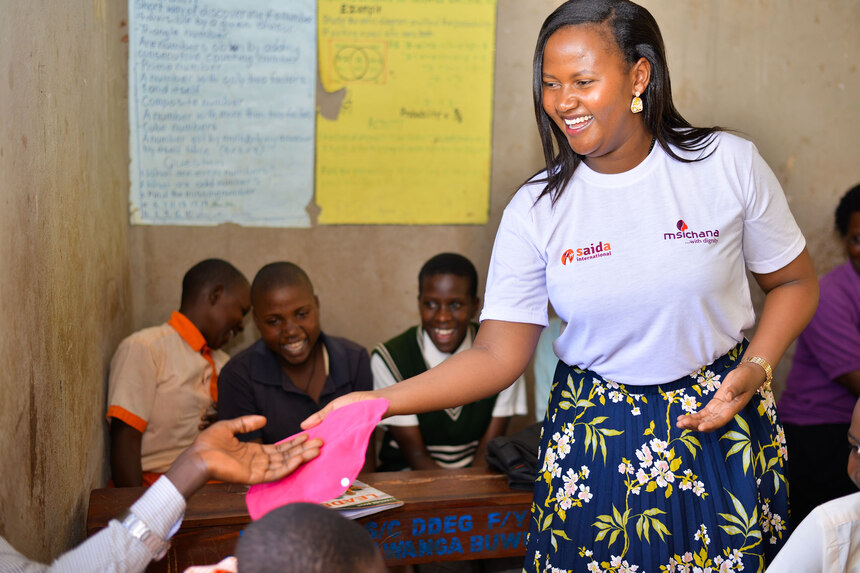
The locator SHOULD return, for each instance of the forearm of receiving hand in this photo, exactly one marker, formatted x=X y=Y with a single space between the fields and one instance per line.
x=114 y=548
x=789 y=304
x=500 y=354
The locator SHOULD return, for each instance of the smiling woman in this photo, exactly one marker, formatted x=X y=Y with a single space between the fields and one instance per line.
x=658 y=401
x=586 y=91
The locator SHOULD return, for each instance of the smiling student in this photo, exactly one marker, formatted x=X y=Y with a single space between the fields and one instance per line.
x=455 y=437
x=294 y=369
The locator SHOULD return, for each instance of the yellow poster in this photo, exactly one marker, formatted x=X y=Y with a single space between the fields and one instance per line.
x=405 y=119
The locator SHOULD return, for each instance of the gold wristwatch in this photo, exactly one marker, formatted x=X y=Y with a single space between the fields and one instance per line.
x=768 y=371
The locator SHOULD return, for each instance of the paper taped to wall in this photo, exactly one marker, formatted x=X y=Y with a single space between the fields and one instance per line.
x=411 y=140
x=221 y=111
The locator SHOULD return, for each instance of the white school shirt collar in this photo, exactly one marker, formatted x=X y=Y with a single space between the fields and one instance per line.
x=433 y=356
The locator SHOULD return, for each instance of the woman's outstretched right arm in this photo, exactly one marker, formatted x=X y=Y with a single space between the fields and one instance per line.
x=500 y=354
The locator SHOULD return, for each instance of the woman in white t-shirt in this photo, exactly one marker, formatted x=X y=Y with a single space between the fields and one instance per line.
x=661 y=449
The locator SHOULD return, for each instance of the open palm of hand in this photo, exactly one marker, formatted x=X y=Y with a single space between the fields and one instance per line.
x=249 y=462
x=217 y=454
x=730 y=398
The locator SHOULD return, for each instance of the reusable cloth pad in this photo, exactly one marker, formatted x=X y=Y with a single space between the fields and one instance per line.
x=345 y=433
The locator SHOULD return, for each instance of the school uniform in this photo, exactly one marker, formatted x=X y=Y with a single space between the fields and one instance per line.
x=162 y=381
x=253 y=382
x=827 y=541
x=451 y=436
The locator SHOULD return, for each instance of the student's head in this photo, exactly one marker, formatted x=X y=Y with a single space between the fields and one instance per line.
x=447 y=299
x=286 y=311
x=848 y=224
x=306 y=538
x=854 y=440
x=216 y=298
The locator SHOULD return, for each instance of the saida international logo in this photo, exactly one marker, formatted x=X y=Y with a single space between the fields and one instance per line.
x=584 y=253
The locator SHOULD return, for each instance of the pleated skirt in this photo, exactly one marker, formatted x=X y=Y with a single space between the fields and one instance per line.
x=623 y=490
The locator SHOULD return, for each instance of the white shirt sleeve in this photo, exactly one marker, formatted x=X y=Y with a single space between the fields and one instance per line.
x=826 y=541
x=516 y=288
x=382 y=378
x=804 y=550
x=112 y=550
x=512 y=400
x=771 y=237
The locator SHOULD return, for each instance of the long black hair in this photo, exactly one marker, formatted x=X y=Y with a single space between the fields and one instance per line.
x=638 y=36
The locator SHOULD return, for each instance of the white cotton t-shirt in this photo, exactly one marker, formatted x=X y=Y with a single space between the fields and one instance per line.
x=646 y=267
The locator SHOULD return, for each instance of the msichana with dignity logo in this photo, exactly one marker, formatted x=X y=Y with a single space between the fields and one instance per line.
x=594 y=250
x=708 y=237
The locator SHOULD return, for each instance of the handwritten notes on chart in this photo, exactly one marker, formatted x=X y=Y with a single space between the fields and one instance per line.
x=411 y=140
x=221 y=111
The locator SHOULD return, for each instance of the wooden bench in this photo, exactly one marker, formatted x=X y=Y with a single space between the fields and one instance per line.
x=449 y=515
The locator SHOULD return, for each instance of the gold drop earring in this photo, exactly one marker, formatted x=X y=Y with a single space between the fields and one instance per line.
x=636 y=104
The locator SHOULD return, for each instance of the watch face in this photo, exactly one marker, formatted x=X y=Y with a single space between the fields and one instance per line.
x=138 y=529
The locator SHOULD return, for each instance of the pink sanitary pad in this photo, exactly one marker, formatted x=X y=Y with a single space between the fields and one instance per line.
x=345 y=433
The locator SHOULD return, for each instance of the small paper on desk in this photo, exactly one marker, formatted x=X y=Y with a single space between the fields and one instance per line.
x=361 y=499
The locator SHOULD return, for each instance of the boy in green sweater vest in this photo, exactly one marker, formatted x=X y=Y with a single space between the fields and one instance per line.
x=456 y=437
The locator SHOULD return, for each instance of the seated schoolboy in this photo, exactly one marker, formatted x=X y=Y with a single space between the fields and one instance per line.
x=294 y=369
x=163 y=379
x=456 y=437
x=306 y=538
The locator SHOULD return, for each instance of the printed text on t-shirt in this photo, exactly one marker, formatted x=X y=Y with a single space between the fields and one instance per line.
x=709 y=237
x=594 y=250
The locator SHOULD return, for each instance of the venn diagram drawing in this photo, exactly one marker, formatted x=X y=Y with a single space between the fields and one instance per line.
x=364 y=63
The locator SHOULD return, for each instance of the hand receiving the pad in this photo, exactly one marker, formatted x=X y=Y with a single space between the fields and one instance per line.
x=217 y=454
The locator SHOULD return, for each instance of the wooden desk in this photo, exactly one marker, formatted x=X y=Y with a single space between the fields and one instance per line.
x=447 y=516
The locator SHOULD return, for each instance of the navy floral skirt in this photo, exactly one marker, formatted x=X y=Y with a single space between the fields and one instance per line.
x=623 y=490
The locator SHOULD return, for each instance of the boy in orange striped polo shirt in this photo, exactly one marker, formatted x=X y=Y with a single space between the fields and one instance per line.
x=163 y=379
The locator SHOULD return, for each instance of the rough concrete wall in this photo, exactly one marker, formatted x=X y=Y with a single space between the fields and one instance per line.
x=783 y=72
x=64 y=281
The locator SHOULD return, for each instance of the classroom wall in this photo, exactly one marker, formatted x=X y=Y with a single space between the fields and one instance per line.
x=64 y=269
x=781 y=71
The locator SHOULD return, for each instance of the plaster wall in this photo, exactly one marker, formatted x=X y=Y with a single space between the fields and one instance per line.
x=782 y=72
x=64 y=281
